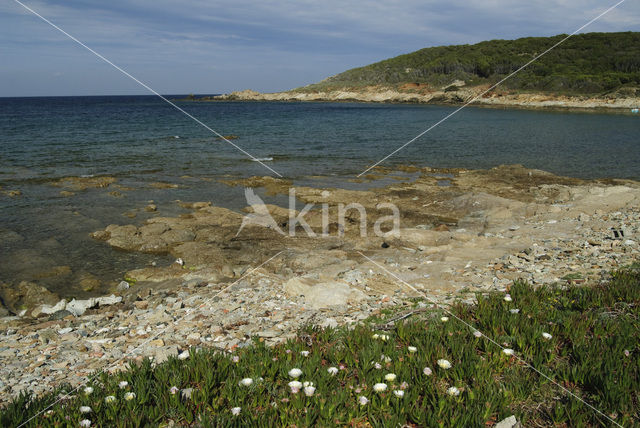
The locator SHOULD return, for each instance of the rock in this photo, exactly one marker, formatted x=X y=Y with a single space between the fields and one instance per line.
x=60 y=315
x=162 y=354
x=510 y=422
x=141 y=304
x=48 y=309
x=79 y=307
x=26 y=296
x=108 y=300
x=227 y=271
x=88 y=282
x=124 y=285
x=151 y=208
x=322 y=294
x=55 y=272
x=156 y=342
x=83 y=183
x=47 y=335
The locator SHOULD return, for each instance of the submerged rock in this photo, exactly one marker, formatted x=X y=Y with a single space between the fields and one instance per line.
x=26 y=296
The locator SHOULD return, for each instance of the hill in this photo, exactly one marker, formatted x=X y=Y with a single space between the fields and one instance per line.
x=591 y=63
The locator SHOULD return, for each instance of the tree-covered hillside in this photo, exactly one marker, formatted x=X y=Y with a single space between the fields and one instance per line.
x=584 y=64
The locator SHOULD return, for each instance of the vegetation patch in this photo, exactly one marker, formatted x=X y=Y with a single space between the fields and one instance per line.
x=591 y=63
x=428 y=369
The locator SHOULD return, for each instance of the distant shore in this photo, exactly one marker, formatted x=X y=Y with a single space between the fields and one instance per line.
x=461 y=96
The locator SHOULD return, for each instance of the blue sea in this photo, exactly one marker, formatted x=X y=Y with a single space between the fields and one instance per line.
x=141 y=139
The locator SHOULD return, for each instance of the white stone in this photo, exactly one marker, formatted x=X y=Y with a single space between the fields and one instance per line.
x=79 y=307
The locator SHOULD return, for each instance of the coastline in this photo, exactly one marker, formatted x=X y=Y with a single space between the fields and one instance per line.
x=462 y=232
x=497 y=99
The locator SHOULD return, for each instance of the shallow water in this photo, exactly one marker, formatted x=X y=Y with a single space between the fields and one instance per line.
x=134 y=140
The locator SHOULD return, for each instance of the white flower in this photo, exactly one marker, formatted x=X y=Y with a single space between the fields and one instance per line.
x=295 y=373
x=88 y=390
x=390 y=377
x=412 y=349
x=235 y=359
x=546 y=336
x=507 y=298
x=477 y=333
x=85 y=423
x=444 y=319
x=109 y=399
x=123 y=384
x=363 y=400
x=380 y=387
x=427 y=371
x=309 y=390
x=305 y=384
x=453 y=391
x=399 y=393
x=376 y=336
x=183 y=355
x=295 y=386
x=247 y=381
x=332 y=371
x=174 y=390
x=384 y=337
x=85 y=409
x=507 y=351
x=129 y=396
x=377 y=366
x=304 y=353
x=385 y=358
x=514 y=311
x=235 y=411
x=444 y=364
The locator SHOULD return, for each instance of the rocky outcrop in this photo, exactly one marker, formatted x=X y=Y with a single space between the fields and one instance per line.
x=412 y=94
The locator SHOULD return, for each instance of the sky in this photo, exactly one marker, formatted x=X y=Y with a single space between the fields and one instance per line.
x=212 y=46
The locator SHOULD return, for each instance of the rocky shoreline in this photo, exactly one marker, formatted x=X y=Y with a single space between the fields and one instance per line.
x=462 y=95
x=461 y=232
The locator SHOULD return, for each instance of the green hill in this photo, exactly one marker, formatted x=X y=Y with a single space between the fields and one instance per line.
x=591 y=63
